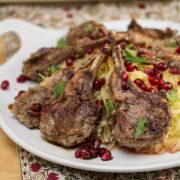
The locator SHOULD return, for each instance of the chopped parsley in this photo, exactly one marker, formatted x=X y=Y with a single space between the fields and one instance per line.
x=171 y=44
x=53 y=68
x=61 y=42
x=59 y=88
x=110 y=105
x=140 y=129
x=173 y=95
x=131 y=56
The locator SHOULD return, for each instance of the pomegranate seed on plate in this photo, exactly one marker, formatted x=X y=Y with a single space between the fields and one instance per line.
x=78 y=153
x=90 y=50
x=93 y=152
x=36 y=107
x=174 y=70
x=138 y=82
x=178 y=82
x=178 y=50
x=85 y=154
x=153 y=80
x=159 y=75
x=101 y=151
x=151 y=89
x=130 y=67
x=149 y=71
x=161 y=66
x=102 y=81
x=5 y=85
x=97 y=85
x=166 y=86
x=97 y=143
x=141 y=53
x=21 y=79
x=141 y=5
x=70 y=61
x=106 y=156
x=143 y=87
x=124 y=76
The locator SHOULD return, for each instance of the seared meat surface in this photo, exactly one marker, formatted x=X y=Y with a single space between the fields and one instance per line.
x=38 y=96
x=40 y=61
x=71 y=118
x=133 y=105
x=89 y=29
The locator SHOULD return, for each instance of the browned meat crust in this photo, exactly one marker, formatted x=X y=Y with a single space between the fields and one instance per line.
x=42 y=95
x=132 y=104
x=71 y=119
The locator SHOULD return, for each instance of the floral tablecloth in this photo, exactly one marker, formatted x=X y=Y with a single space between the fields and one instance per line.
x=35 y=168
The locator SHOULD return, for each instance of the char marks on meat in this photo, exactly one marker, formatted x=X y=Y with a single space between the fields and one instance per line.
x=42 y=95
x=132 y=106
x=71 y=118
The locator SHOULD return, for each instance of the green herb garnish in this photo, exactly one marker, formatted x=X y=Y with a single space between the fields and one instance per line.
x=89 y=27
x=53 y=68
x=140 y=129
x=110 y=105
x=61 y=42
x=131 y=56
x=173 y=95
x=171 y=44
x=59 y=88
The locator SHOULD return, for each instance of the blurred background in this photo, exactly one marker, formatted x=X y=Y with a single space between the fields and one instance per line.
x=59 y=13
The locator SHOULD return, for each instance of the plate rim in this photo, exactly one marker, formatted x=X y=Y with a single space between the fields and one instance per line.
x=84 y=165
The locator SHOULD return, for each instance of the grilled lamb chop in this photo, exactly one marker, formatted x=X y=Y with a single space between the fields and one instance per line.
x=40 y=61
x=133 y=107
x=28 y=106
x=153 y=33
x=71 y=118
x=89 y=29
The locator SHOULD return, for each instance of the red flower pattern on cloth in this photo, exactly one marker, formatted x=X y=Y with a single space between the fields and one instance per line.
x=35 y=167
x=53 y=176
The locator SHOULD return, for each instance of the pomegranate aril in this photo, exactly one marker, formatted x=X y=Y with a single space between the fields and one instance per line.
x=138 y=82
x=106 y=156
x=20 y=93
x=101 y=151
x=159 y=75
x=153 y=80
x=179 y=83
x=143 y=87
x=149 y=71
x=178 y=50
x=161 y=66
x=70 y=61
x=174 y=70
x=124 y=76
x=102 y=81
x=124 y=85
x=93 y=152
x=5 y=85
x=151 y=89
x=130 y=67
x=141 y=5
x=97 y=143
x=78 y=153
x=36 y=107
x=97 y=85
x=21 y=78
x=85 y=154
x=167 y=86
x=90 y=50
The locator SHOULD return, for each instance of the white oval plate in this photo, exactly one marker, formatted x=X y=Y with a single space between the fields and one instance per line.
x=33 y=38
